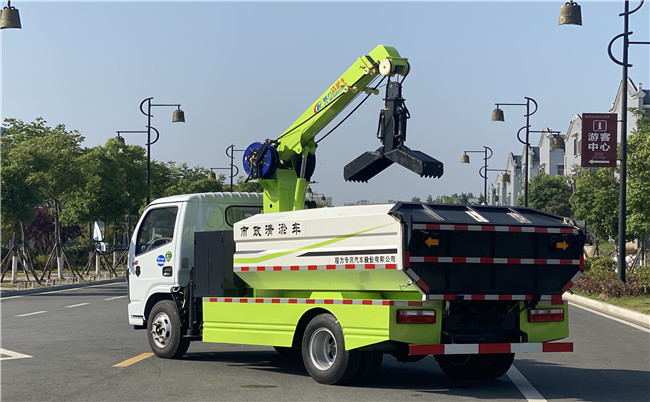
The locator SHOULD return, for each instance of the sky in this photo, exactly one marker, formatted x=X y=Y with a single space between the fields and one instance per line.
x=245 y=71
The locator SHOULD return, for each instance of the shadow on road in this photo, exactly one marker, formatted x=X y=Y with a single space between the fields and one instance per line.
x=551 y=380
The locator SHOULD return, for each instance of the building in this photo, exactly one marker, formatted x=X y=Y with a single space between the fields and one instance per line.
x=560 y=154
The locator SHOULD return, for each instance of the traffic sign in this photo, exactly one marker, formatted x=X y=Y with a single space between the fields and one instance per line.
x=599 y=137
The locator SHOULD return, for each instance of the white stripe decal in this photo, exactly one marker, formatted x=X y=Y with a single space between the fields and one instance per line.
x=460 y=349
x=327 y=267
x=491 y=228
x=490 y=260
x=352 y=302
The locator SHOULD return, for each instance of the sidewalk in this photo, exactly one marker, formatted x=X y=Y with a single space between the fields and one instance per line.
x=608 y=309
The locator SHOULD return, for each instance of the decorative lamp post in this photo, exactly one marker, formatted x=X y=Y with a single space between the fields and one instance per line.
x=623 y=119
x=497 y=115
x=177 y=117
x=570 y=14
x=487 y=154
x=234 y=170
x=622 y=204
x=10 y=17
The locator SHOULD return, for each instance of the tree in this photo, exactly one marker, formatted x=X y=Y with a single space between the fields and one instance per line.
x=549 y=193
x=247 y=186
x=595 y=200
x=462 y=198
x=638 y=184
x=49 y=159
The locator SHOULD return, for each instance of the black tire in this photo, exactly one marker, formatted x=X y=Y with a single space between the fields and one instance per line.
x=164 y=331
x=324 y=354
x=287 y=351
x=475 y=367
x=369 y=364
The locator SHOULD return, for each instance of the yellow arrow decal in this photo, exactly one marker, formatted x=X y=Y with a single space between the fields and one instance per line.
x=563 y=245
x=431 y=242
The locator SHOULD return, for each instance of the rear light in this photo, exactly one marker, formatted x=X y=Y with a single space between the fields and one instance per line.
x=546 y=315
x=416 y=316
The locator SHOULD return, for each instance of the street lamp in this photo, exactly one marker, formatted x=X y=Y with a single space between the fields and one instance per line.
x=149 y=143
x=234 y=170
x=10 y=17
x=570 y=14
x=313 y=197
x=497 y=115
x=465 y=159
x=230 y=152
x=623 y=166
x=213 y=176
x=177 y=117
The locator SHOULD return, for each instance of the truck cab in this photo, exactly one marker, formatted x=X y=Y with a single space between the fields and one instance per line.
x=161 y=252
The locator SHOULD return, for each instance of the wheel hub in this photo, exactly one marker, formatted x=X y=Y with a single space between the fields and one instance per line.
x=161 y=330
x=322 y=349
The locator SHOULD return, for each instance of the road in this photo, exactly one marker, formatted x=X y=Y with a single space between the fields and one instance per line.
x=65 y=345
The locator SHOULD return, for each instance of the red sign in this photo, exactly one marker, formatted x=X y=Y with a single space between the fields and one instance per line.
x=599 y=137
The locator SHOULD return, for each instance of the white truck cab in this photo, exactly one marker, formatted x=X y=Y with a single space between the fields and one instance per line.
x=161 y=255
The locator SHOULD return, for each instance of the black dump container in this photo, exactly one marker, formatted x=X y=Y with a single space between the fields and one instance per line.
x=462 y=249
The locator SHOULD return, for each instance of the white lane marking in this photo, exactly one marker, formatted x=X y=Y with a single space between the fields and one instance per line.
x=116 y=297
x=526 y=388
x=12 y=355
x=34 y=313
x=8 y=298
x=76 y=305
x=631 y=324
x=83 y=287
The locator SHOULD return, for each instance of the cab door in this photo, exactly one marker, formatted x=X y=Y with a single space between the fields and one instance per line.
x=152 y=255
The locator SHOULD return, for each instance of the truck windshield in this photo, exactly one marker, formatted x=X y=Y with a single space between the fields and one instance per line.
x=156 y=230
x=235 y=213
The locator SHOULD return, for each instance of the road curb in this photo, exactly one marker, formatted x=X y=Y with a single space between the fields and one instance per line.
x=615 y=311
x=18 y=292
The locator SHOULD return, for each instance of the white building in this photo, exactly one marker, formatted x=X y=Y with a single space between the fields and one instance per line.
x=559 y=154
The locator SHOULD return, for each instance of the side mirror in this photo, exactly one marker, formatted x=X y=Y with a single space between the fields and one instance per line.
x=98 y=231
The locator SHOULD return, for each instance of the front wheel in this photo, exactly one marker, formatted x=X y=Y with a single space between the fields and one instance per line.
x=164 y=331
x=475 y=367
x=324 y=354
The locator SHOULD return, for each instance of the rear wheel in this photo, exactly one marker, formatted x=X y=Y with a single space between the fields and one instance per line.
x=475 y=367
x=164 y=331
x=324 y=354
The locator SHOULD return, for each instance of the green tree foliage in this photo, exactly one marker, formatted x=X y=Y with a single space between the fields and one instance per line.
x=247 y=187
x=462 y=198
x=18 y=197
x=549 y=193
x=44 y=160
x=169 y=179
x=638 y=179
x=595 y=200
x=114 y=184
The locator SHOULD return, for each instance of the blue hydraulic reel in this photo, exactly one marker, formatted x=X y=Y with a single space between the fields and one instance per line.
x=260 y=160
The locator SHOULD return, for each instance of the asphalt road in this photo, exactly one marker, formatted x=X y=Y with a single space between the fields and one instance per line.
x=65 y=345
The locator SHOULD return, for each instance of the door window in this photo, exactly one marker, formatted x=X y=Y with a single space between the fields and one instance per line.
x=156 y=230
x=235 y=213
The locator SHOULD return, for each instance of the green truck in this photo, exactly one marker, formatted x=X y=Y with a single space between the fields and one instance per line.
x=343 y=286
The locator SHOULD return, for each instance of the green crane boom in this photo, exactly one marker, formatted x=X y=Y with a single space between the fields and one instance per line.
x=284 y=166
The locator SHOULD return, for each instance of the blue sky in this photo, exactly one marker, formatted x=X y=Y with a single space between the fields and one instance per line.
x=244 y=71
